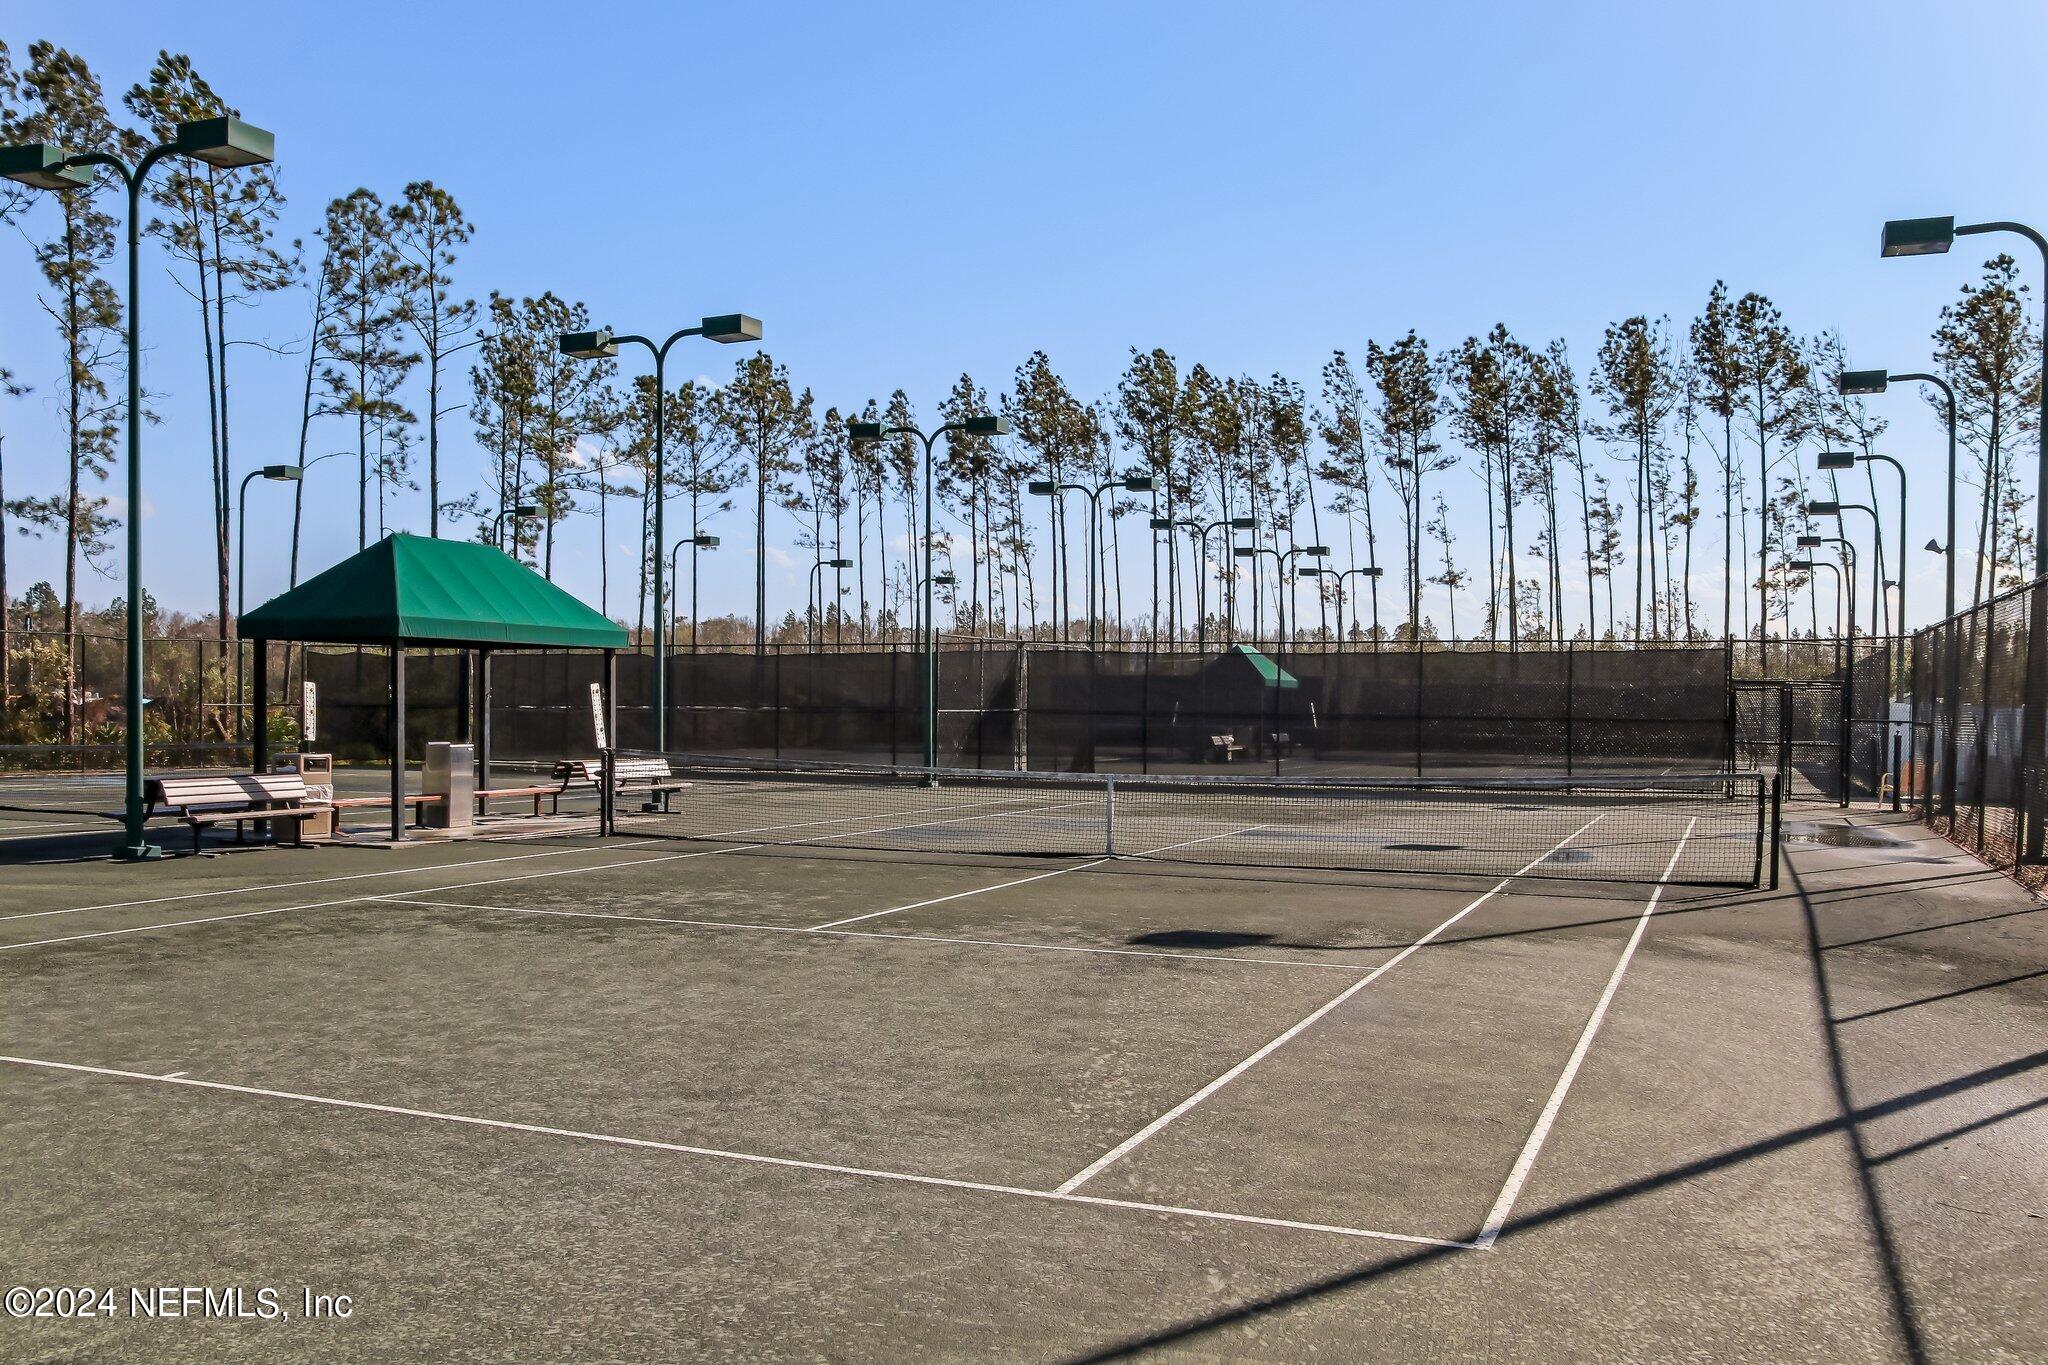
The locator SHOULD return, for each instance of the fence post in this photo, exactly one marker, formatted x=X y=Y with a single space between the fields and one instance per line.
x=2033 y=727
x=1777 y=826
x=1571 y=687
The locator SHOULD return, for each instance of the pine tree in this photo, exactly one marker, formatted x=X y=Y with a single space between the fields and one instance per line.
x=1058 y=432
x=760 y=414
x=1721 y=384
x=1404 y=432
x=1773 y=377
x=427 y=229
x=1985 y=347
x=1340 y=422
x=366 y=364
x=63 y=103
x=1633 y=377
x=1152 y=417
x=220 y=223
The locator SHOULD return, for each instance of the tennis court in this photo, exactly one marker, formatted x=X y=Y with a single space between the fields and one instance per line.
x=810 y=1062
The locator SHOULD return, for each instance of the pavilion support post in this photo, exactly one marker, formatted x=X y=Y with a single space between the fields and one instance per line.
x=483 y=720
x=462 y=694
x=259 y=707
x=397 y=742
x=611 y=698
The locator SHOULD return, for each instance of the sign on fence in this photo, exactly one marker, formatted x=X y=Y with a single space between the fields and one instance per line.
x=309 y=719
x=604 y=740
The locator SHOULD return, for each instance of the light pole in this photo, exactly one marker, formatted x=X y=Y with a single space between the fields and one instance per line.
x=726 y=328
x=1370 y=571
x=1280 y=558
x=1848 y=698
x=816 y=606
x=1933 y=236
x=1202 y=531
x=1130 y=483
x=1846 y=459
x=984 y=425
x=520 y=511
x=228 y=144
x=1819 y=508
x=699 y=541
x=276 y=473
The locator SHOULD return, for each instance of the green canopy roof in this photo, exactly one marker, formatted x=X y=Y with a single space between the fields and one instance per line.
x=1270 y=673
x=412 y=590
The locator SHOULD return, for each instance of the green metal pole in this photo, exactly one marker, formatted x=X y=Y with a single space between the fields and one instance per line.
x=137 y=847
x=660 y=492
x=931 y=631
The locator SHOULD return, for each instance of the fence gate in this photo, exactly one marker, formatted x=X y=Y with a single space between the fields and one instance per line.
x=1796 y=730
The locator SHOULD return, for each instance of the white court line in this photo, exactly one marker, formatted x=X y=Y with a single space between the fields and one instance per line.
x=1497 y=1217
x=452 y=886
x=802 y=824
x=957 y=895
x=407 y=898
x=16 y=833
x=1206 y=838
x=318 y=881
x=352 y=900
x=1152 y=1129
x=752 y=1158
x=961 y=895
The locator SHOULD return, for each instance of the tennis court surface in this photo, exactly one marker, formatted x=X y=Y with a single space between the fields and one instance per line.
x=842 y=1067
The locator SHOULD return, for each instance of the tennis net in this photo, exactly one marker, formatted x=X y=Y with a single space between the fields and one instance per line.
x=1712 y=829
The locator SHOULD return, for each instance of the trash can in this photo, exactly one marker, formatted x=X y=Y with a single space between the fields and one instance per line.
x=450 y=774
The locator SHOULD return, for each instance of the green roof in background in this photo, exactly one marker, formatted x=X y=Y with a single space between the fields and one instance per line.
x=1270 y=673
x=414 y=590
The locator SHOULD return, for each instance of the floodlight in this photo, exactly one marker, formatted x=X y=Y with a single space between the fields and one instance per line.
x=1374 y=572
x=1044 y=488
x=1918 y=236
x=1863 y=381
x=1821 y=508
x=596 y=345
x=703 y=542
x=1837 y=459
x=1317 y=550
x=282 y=473
x=1935 y=547
x=1244 y=523
x=865 y=431
x=1139 y=483
x=225 y=142
x=1245 y=551
x=730 y=327
x=1812 y=542
x=838 y=563
x=41 y=165
x=1800 y=564
x=1162 y=523
x=986 y=426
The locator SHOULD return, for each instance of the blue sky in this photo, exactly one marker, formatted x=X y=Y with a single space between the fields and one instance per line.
x=903 y=192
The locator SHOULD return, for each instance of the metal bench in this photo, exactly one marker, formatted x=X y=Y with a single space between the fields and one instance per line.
x=650 y=775
x=419 y=801
x=1223 y=749
x=231 y=798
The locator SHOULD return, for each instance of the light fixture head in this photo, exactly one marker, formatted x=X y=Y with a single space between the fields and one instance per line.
x=1245 y=551
x=596 y=345
x=1139 y=483
x=986 y=425
x=225 y=142
x=864 y=431
x=1244 y=523
x=1918 y=236
x=1313 y=571
x=730 y=327
x=1162 y=523
x=1043 y=488
x=838 y=563
x=1935 y=547
x=705 y=542
x=1372 y=572
x=1318 y=551
x=1856 y=382
x=1837 y=459
x=283 y=473
x=1812 y=542
x=41 y=165
x=1800 y=564
x=1821 y=507
x=526 y=509
x=944 y=580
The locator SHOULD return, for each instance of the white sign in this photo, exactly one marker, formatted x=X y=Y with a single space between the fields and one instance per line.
x=309 y=718
x=597 y=715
